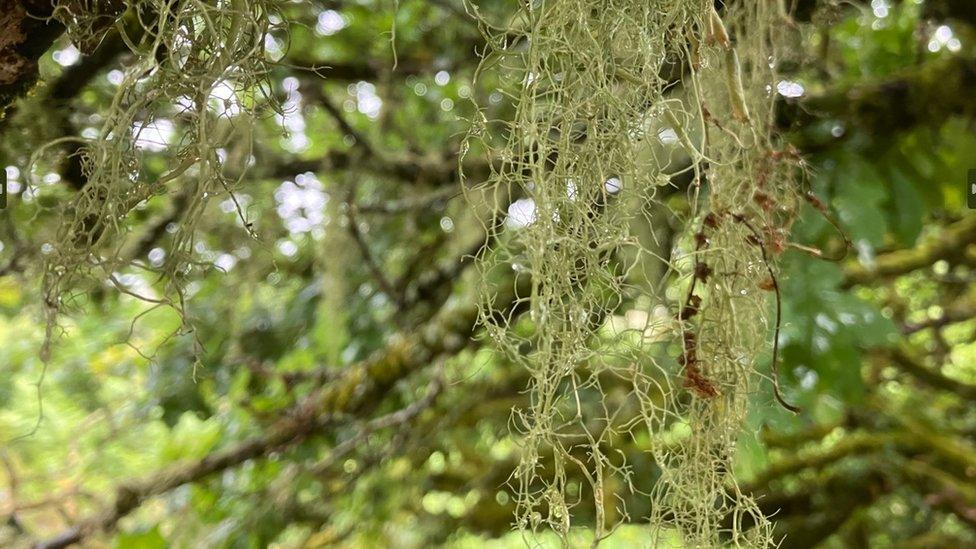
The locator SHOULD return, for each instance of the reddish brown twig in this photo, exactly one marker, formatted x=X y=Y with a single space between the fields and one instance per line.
x=757 y=239
x=695 y=378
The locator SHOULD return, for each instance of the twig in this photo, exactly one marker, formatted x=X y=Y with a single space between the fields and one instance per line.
x=374 y=267
x=361 y=387
x=361 y=142
x=398 y=418
x=411 y=203
x=774 y=366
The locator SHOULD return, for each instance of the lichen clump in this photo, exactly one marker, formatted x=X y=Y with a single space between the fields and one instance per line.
x=591 y=198
x=200 y=67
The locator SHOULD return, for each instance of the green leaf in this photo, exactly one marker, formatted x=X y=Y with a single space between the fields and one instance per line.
x=858 y=200
x=191 y=438
x=908 y=208
x=825 y=329
x=149 y=539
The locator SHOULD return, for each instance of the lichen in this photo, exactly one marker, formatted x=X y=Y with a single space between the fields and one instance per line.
x=582 y=189
x=185 y=52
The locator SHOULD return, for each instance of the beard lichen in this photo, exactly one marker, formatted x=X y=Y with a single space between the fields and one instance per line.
x=591 y=203
x=200 y=69
x=591 y=228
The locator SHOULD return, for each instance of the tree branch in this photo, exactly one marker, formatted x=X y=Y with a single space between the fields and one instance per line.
x=921 y=95
x=854 y=444
x=907 y=361
x=950 y=244
x=957 y=311
x=359 y=389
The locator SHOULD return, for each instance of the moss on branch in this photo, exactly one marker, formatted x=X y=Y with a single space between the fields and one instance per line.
x=358 y=390
x=907 y=360
x=951 y=244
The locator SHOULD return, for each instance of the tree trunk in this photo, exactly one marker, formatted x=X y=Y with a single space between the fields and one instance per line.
x=26 y=32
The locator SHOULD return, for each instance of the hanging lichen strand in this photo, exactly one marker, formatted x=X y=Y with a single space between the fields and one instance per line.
x=725 y=310
x=200 y=68
x=610 y=303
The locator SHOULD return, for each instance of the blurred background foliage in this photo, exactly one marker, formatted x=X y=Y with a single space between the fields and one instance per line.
x=358 y=288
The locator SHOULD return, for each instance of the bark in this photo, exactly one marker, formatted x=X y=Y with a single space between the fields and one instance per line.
x=26 y=32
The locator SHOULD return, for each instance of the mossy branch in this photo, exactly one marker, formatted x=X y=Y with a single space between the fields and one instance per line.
x=907 y=360
x=951 y=244
x=358 y=390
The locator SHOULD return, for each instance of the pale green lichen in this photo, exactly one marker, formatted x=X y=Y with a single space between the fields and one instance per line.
x=581 y=186
x=203 y=64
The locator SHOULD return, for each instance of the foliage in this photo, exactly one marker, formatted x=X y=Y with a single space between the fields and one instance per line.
x=352 y=296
